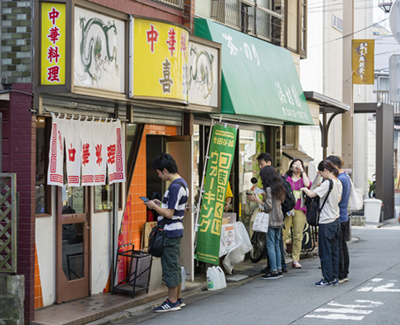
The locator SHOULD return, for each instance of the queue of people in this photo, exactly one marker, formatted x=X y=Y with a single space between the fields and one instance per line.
x=333 y=224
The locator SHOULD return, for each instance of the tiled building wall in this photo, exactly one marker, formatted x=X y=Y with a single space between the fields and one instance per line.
x=135 y=212
x=16 y=41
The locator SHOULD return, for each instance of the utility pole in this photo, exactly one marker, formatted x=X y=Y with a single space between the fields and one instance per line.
x=347 y=91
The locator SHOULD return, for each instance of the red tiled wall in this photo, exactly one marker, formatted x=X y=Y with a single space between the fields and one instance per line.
x=135 y=212
x=19 y=157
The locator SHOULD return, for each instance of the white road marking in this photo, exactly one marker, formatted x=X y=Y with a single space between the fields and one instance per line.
x=376 y=280
x=336 y=317
x=385 y=288
x=365 y=289
x=343 y=311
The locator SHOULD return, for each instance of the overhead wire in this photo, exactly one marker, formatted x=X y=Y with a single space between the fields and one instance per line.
x=360 y=30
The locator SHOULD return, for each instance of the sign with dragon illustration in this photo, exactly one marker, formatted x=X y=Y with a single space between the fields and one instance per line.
x=99 y=51
x=203 y=75
x=53 y=44
x=160 y=61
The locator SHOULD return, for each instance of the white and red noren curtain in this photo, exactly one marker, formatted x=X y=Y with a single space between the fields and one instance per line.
x=91 y=147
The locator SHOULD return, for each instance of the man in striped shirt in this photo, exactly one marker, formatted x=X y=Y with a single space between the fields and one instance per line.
x=171 y=212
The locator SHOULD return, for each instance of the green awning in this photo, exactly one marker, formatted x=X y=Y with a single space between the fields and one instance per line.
x=258 y=79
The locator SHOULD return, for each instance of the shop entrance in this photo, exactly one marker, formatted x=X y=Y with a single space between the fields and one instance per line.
x=72 y=243
x=180 y=147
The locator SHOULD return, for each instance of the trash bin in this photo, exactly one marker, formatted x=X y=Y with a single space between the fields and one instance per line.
x=372 y=210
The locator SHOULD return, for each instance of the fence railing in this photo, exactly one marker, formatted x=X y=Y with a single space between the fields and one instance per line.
x=382 y=96
x=250 y=19
x=173 y=3
x=8 y=223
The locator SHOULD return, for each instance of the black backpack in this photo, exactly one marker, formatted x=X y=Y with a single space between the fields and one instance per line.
x=290 y=200
x=313 y=209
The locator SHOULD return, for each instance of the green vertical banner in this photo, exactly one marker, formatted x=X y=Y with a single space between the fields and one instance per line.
x=219 y=164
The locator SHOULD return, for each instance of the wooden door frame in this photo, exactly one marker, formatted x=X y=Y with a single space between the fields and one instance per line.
x=63 y=295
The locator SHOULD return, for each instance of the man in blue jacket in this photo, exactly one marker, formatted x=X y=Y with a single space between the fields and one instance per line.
x=344 y=260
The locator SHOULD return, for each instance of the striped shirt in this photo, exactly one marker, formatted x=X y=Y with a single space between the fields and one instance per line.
x=175 y=198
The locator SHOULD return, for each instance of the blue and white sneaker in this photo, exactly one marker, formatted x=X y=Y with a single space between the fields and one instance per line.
x=167 y=306
x=335 y=282
x=323 y=283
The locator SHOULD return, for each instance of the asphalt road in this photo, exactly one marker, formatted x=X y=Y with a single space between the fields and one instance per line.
x=370 y=297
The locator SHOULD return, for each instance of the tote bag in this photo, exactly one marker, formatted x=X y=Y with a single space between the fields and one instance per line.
x=261 y=222
x=355 y=199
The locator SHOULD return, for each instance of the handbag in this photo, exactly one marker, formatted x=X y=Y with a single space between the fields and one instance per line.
x=355 y=202
x=261 y=222
x=156 y=240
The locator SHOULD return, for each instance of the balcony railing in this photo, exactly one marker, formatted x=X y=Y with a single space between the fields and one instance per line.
x=172 y=3
x=249 y=18
x=382 y=96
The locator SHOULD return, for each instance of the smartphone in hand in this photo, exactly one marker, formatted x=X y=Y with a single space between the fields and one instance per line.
x=144 y=199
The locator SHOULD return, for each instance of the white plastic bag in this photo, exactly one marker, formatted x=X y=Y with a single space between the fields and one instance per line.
x=261 y=222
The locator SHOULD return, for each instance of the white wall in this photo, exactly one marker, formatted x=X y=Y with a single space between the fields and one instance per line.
x=46 y=252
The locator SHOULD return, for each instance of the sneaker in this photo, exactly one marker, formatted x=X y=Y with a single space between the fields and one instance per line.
x=335 y=282
x=167 y=306
x=280 y=274
x=270 y=276
x=296 y=265
x=343 y=280
x=323 y=283
x=181 y=302
x=284 y=269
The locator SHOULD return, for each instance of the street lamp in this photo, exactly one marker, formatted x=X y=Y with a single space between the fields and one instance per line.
x=385 y=5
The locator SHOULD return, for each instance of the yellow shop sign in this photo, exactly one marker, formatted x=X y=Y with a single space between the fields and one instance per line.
x=160 y=61
x=53 y=36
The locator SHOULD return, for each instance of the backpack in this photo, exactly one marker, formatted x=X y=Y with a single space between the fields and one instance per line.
x=313 y=209
x=156 y=241
x=290 y=200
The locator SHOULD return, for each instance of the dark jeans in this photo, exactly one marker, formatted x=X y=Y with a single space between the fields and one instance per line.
x=344 y=260
x=328 y=246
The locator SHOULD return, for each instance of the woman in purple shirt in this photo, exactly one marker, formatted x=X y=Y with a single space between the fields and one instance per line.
x=297 y=177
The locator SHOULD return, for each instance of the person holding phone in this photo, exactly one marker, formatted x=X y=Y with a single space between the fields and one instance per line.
x=171 y=212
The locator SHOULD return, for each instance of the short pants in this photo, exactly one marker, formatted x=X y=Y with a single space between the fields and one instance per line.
x=170 y=261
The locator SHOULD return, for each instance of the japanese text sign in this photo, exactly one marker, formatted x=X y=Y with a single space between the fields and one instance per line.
x=221 y=154
x=53 y=44
x=160 y=61
x=363 y=61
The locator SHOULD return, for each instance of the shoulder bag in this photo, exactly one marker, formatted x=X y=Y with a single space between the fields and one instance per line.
x=313 y=209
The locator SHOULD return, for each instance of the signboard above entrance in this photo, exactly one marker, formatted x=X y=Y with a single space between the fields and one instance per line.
x=160 y=61
x=258 y=79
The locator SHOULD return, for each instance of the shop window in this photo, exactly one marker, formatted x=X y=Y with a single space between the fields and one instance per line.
x=251 y=145
x=43 y=191
x=103 y=197
x=289 y=132
x=296 y=26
